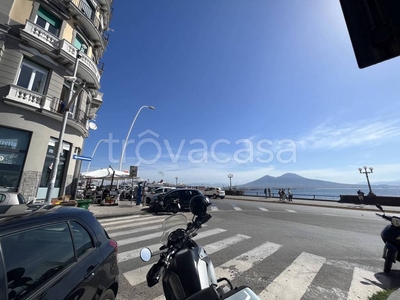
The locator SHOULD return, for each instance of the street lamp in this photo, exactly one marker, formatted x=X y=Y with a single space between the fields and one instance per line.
x=366 y=172
x=94 y=151
x=71 y=101
x=230 y=180
x=129 y=132
x=176 y=181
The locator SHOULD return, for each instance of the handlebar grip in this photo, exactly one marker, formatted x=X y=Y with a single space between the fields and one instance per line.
x=153 y=276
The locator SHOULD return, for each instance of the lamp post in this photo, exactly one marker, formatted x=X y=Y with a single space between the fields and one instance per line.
x=129 y=132
x=176 y=181
x=230 y=181
x=59 y=146
x=366 y=172
x=94 y=151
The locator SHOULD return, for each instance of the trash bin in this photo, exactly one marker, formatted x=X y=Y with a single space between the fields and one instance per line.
x=84 y=203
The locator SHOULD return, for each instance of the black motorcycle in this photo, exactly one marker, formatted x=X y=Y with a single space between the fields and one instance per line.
x=391 y=237
x=184 y=267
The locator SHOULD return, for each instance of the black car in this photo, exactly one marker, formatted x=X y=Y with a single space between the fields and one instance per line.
x=55 y=252
x=184 y=196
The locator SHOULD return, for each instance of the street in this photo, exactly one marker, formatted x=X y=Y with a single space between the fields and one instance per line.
x=281 y=251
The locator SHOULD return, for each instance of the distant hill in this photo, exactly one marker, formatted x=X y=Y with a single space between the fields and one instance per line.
x=292 y=180
x=393 y=183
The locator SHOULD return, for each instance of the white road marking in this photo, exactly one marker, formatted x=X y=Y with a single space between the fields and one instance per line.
x=102 y=221
x=132 y=221
x=236 y=208
x=246 y=260
x=289 y=210
x=139 y=239
x=365 y=283
x=137 y=276
x=127 y=255
x=214 y=208
x=136 y=230
x=134 y=224
x=292 y=283
x=263 y=209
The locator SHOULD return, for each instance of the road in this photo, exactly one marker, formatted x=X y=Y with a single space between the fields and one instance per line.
x=282 y=251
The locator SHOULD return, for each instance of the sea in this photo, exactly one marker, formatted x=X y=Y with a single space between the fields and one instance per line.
x=332 y=194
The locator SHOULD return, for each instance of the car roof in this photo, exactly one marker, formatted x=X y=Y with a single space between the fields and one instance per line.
x=16 y=217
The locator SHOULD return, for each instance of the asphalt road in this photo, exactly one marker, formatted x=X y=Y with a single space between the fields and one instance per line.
x=281 y=251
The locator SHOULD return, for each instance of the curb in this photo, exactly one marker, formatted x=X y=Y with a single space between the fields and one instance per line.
x=122 y=214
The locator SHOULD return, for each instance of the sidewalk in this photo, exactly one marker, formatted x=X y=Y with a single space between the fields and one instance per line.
x=123 y=209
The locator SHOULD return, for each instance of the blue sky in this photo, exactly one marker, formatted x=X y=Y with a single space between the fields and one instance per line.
x=247 y=87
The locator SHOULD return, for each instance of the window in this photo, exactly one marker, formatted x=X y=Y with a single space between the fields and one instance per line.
x=48 y=21
x=79 y=42
x=32 y=76
x=82 y=240
x=32 y=257
x=86 y=9
x=13 y=148
x=2 y=197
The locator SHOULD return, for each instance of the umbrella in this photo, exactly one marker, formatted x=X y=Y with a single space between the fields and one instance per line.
x=108 y=173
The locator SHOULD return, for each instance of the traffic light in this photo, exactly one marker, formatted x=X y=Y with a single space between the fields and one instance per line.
x=374 y=29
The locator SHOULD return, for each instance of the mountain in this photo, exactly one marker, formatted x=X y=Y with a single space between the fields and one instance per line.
x=292 y=180
x=395 y=183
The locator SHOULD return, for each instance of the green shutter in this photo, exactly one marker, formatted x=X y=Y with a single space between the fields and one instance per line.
x=78 y=42
x=49 y=18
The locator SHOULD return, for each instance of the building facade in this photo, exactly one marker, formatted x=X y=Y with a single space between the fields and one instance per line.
x=40 y=41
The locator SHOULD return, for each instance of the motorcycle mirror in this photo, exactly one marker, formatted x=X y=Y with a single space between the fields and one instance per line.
x=380 y=207
x=145 y=254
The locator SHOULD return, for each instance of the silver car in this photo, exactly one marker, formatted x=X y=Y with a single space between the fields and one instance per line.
x=11 y=198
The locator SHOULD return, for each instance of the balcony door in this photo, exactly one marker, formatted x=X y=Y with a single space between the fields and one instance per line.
x=48 y=21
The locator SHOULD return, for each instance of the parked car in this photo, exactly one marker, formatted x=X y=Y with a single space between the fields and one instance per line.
x=11 y=198
x=184 y=196
x=214 y=192
x=56 y=252
x=155 y=193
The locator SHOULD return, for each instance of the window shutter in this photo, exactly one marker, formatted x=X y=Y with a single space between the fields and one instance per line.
x=49 y=18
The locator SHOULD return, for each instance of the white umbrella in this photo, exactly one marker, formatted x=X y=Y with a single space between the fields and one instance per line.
x=105 y=174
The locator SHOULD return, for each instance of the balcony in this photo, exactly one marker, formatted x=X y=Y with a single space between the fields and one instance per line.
x=87 y=68
x=86 y=16
x=29 y=100
x=62 y=51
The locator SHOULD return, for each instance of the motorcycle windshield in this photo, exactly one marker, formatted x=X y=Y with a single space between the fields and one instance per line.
x=170 y=224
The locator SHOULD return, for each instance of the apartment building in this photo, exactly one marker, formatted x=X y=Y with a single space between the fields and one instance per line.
x=39 y=44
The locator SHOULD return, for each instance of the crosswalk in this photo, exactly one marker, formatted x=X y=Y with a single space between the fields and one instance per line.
x=297 y=280
x=234 y=207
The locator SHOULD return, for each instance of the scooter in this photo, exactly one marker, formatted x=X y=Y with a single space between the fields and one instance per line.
x=160 y=205
x=186 y=270
x=391 y=237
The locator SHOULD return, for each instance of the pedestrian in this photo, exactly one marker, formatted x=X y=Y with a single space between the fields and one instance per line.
x=265 y=193
x=284 y=197
x=360 y=196
x=290 y=195
x=269 y=192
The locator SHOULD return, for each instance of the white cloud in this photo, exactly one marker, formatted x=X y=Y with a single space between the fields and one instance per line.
x=351 y=134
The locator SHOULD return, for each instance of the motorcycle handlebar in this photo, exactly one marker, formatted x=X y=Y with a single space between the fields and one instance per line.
x=384 y=216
